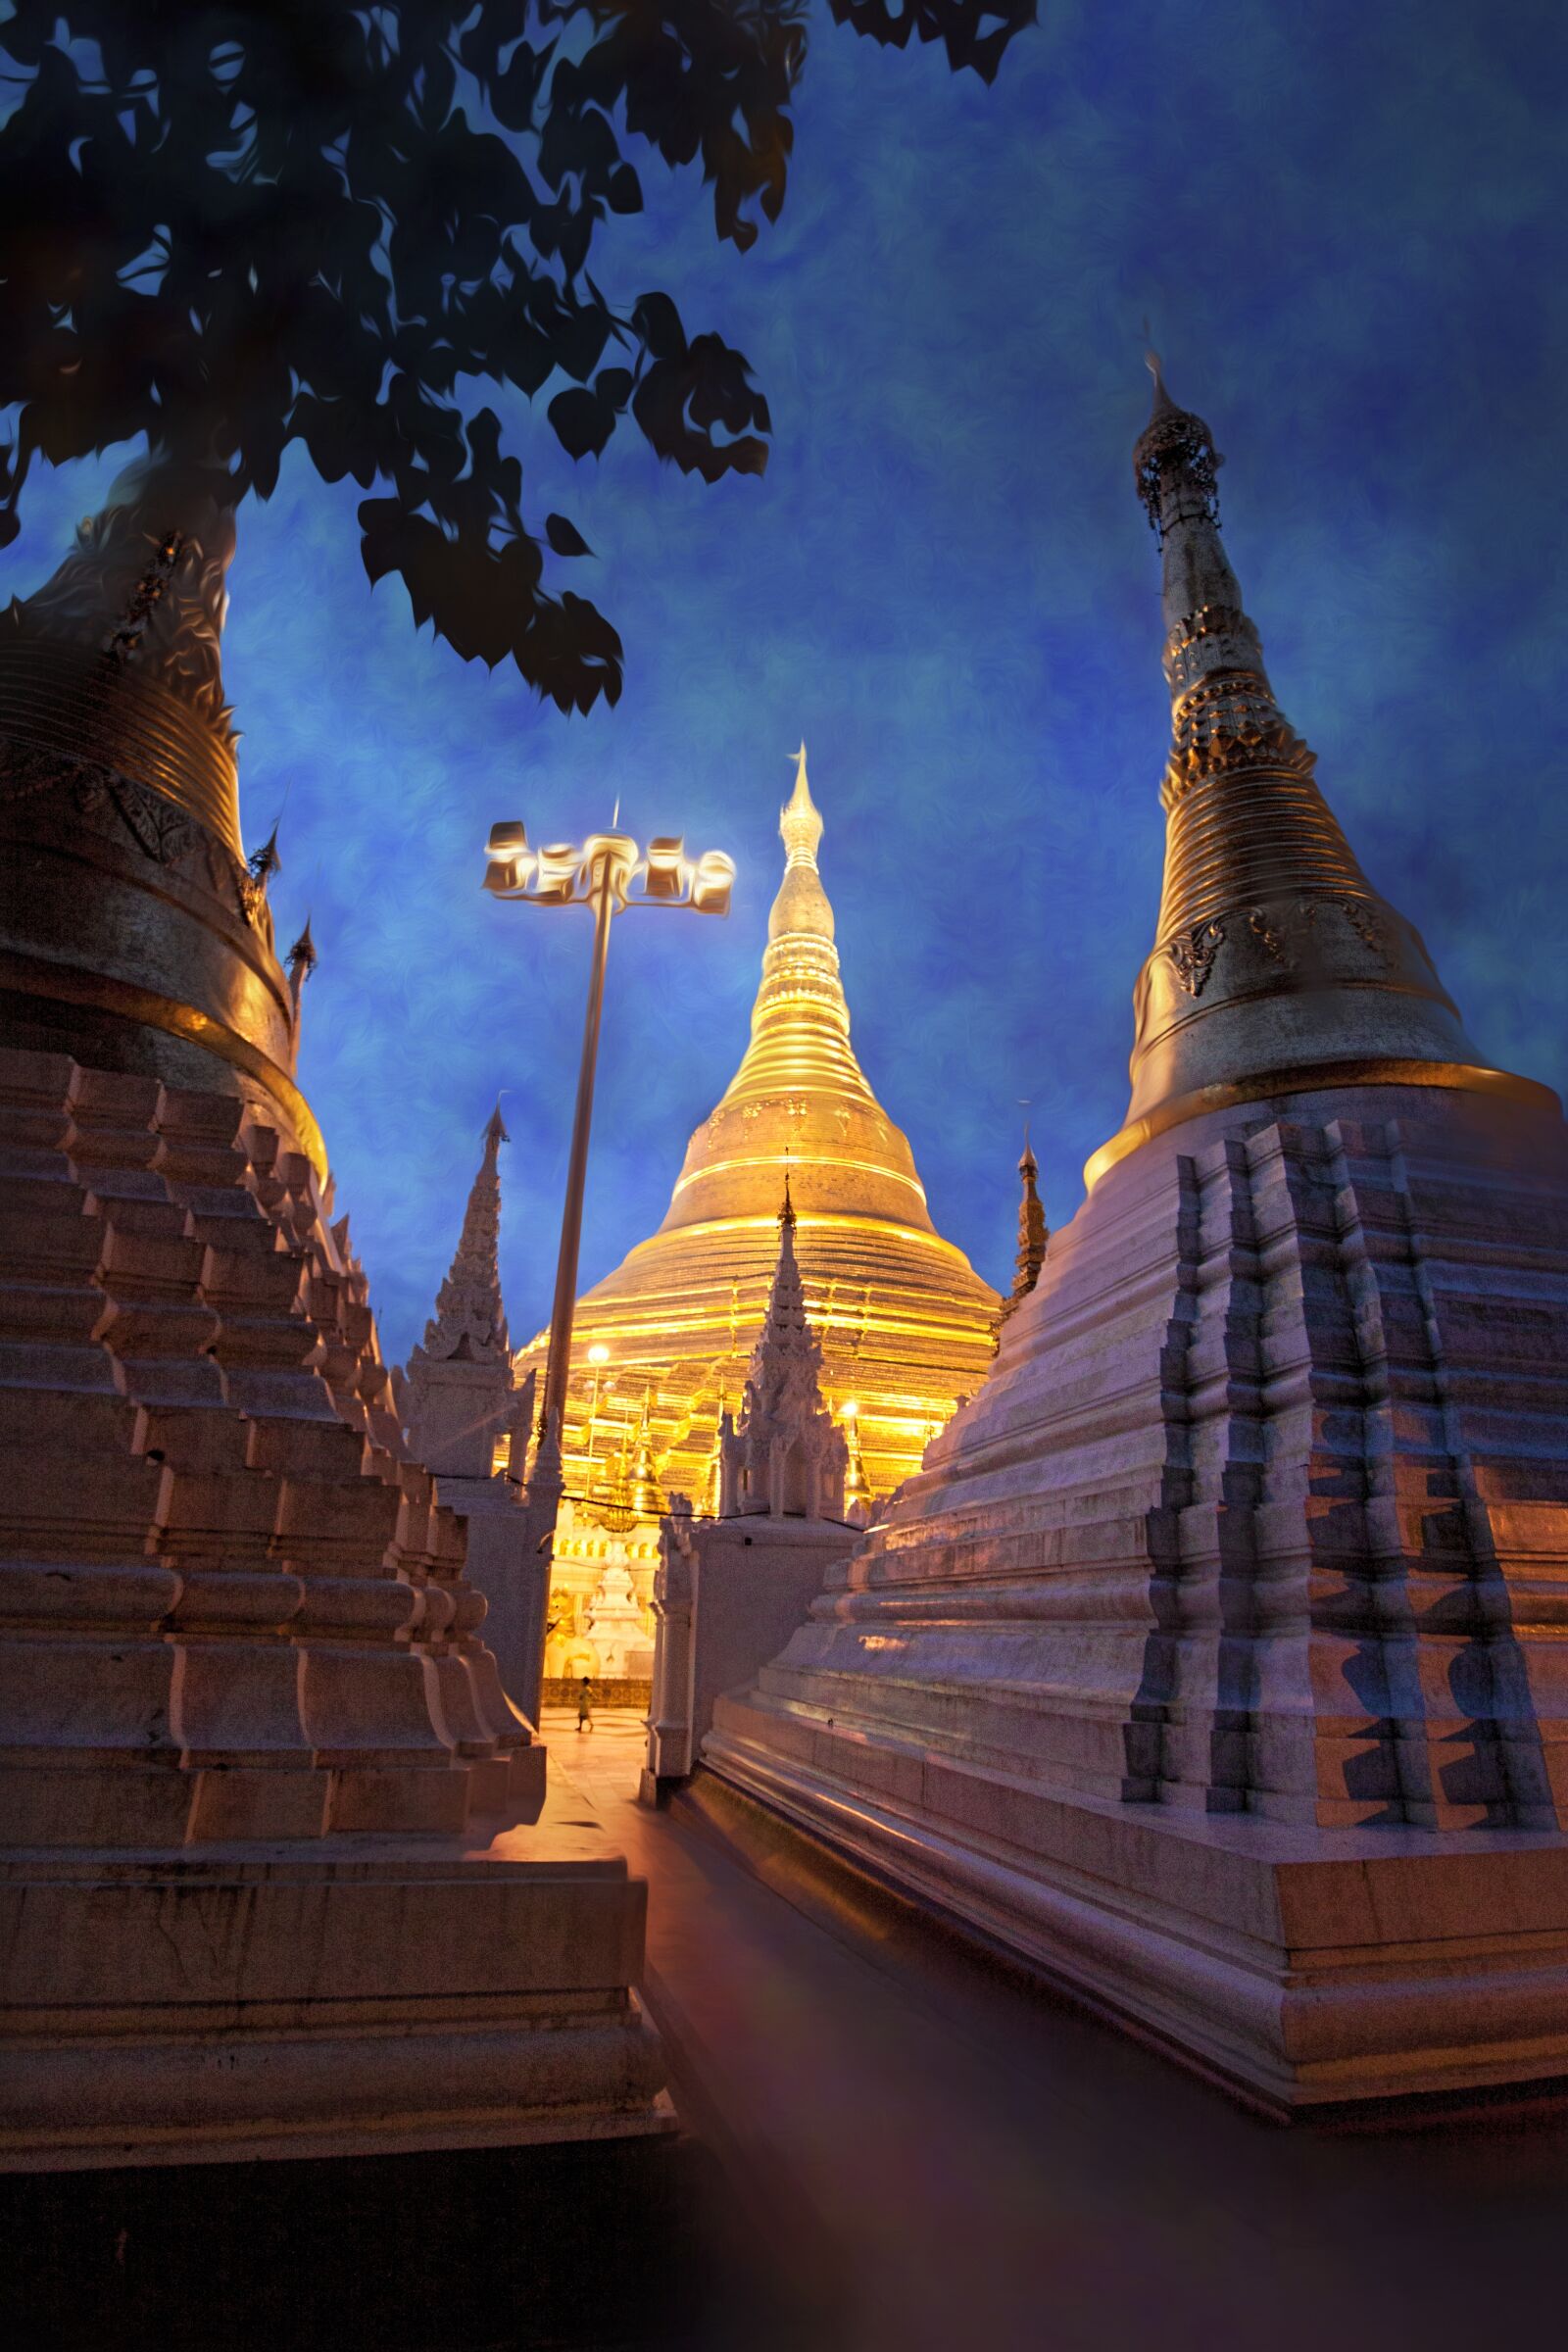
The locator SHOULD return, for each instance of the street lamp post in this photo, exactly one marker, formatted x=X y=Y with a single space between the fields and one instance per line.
x=610 y=875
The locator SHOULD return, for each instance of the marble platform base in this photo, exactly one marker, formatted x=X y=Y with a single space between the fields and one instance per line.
x=357 y=1998
x=1216 y=1662
x=1398 y=1963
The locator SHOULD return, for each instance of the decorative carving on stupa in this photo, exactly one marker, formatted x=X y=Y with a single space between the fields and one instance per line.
x=784 y=1454
x=145 y=585
x=1033 y=1235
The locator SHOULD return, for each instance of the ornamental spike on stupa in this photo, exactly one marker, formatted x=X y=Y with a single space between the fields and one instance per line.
x=786 y=1455
x=904 y=1321
x=300 y=962
x=1275 y=962
x=469 y=1324
x=645 y=1495
x=264 y=863
x=858 y=1501
x=1033 y=1234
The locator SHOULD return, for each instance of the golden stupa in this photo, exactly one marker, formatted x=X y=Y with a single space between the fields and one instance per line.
x=661 y=1346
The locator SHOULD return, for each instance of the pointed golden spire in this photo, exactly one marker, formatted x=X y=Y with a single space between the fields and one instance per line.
x=858 y=1497
x=802 y=908
x=1276 y=964
x=645 y=1495
x=902 y=1316
x=800 y=823
x=800 y=1088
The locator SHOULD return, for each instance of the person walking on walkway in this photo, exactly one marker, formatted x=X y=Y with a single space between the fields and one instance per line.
x=585 y=1706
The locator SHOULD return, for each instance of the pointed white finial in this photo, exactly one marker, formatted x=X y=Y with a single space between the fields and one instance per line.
x=800 y=825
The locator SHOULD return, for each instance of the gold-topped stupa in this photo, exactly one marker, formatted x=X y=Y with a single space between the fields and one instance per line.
x=907 y=1326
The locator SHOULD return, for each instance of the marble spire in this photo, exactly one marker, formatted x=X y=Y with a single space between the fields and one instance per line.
x=469 y=1324
x=1033 y=1234
x=786 y=1455
x=1275 y=961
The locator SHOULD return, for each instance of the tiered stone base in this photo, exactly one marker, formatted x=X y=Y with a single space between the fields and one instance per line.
x=259 y=1891
x=354 y=1997
x=1217 y=1662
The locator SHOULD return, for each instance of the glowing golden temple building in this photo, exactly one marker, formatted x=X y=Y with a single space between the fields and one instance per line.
x=661 y=1345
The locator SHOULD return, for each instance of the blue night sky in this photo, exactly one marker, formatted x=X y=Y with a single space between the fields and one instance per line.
x=1348 y=227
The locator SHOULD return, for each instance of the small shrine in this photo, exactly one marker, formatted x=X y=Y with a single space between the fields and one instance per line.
x=784 y=1454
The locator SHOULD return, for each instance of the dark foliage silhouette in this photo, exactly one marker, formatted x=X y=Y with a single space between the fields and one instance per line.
x=229 y=227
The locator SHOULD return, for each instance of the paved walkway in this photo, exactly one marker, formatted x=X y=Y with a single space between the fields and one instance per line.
x=935 y=2153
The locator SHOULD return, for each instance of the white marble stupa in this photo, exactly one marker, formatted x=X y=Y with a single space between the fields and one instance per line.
x=1215 y=1662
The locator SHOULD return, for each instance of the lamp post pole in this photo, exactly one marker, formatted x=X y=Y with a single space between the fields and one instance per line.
x=609 y=873
x=564 y=1308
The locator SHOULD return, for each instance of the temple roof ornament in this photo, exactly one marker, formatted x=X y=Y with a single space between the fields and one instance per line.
x=300 y=962
x=264 y=863
x=646 y=1499
x=1033 y=1234
x=469 y=1324
x=1275 y=961
x=858 y=1501
x=785 y=1455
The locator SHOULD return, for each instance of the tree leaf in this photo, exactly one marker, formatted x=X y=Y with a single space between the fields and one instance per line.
x=564 y=537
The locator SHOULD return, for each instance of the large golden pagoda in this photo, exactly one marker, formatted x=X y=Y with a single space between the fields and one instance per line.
x=906 y=1327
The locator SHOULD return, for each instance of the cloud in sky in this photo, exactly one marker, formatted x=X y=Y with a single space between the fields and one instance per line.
x=1348 y=227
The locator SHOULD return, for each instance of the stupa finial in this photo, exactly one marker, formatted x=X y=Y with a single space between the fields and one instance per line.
x=800 y=822
x=1263 y=897
x=1161 y=398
